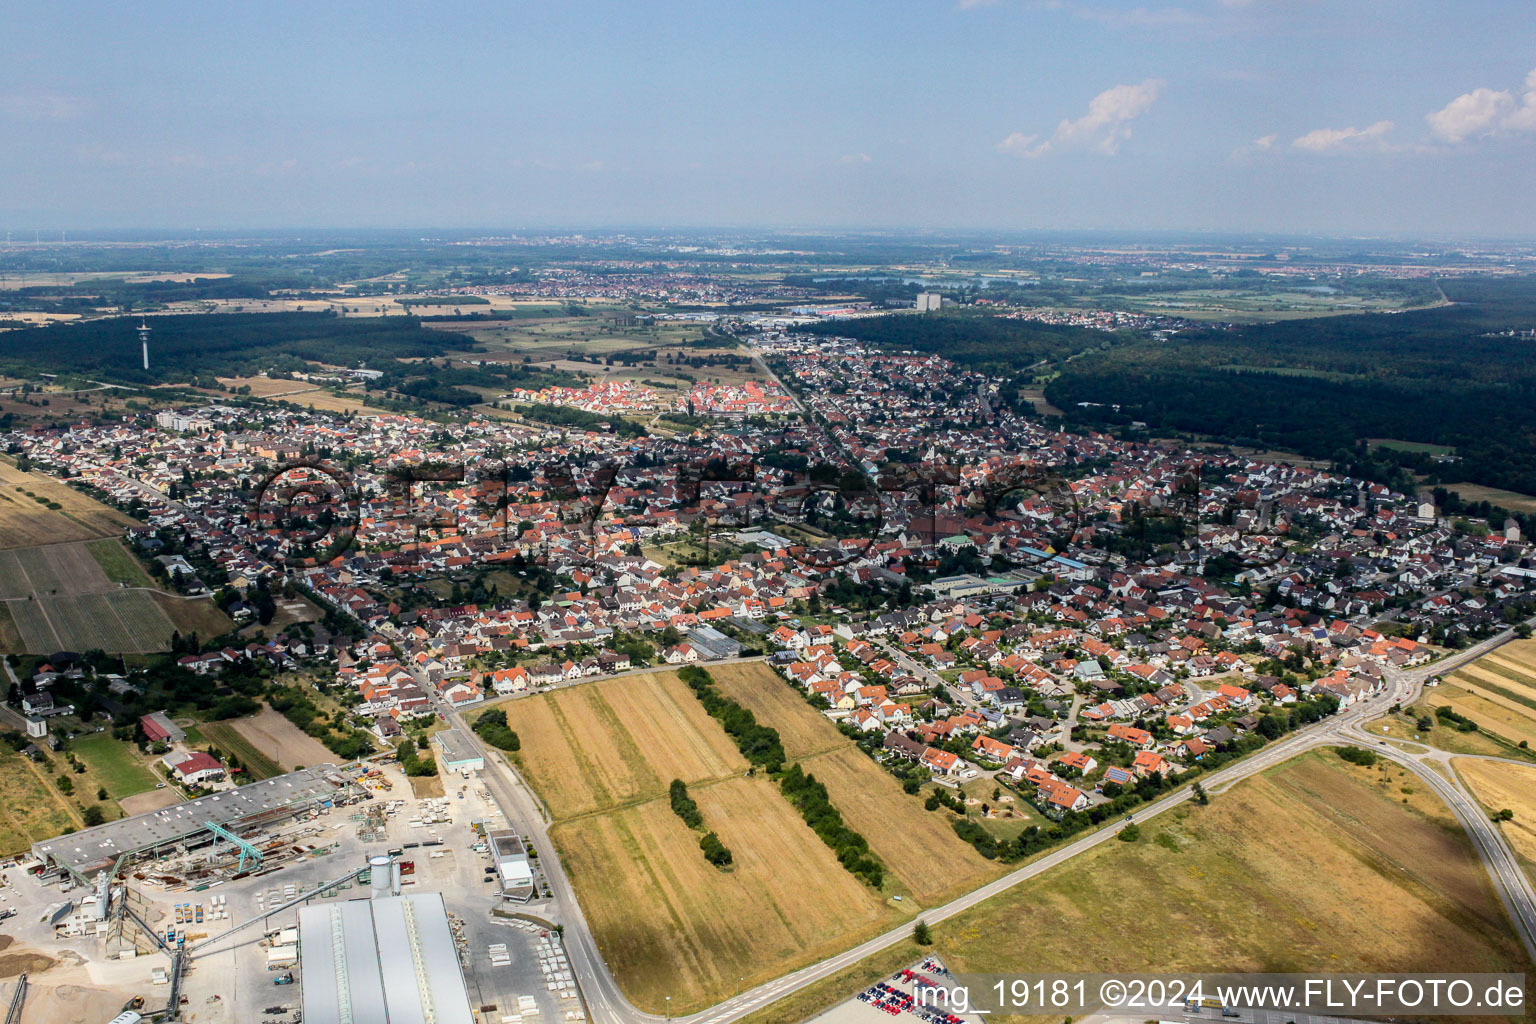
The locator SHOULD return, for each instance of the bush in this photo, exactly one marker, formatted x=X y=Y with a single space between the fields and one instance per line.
x=1358 y=755
x=492 y=727
x=94 y=815
x=1129 y=834
x=714 y=850
x=684 y=805
x=922 y=934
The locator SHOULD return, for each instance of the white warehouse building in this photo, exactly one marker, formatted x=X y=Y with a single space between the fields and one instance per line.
x=389 y=960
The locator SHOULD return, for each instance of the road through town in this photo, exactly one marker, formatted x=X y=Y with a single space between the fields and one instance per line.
x=608 y=1005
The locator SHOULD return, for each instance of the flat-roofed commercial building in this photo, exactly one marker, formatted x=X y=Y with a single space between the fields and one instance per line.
x=390 y=960
x=513 y=868
x=459 y=755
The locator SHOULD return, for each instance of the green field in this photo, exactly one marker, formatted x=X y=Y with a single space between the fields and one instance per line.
x=257 y=765
x=114 y=764
x=119 y=565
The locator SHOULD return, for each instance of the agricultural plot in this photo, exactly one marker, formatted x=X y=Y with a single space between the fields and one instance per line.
x=119 y=622
x=762 y=691
x=592 y=748
x=1500 y=786
x=257 y=764
x=51 y=569
x=1497 y=691
x=918 y=846
x=1235 y=886
x=670 y=924
x=601 y=757
x=272 y=740
x=26 y=519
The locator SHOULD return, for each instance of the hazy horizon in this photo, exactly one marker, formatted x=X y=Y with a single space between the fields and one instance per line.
x=1293 y=118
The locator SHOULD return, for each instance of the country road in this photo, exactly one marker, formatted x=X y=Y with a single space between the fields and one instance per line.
x=608 y=1005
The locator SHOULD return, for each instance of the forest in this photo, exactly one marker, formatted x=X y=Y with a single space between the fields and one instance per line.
x=975 y=341
x=182 y=348
x=1460 y=375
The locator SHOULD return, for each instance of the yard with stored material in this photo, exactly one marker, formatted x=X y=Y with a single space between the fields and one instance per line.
x=1313 y=866
x=602 y=756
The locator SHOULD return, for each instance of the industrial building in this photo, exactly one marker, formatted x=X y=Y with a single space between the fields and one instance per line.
x=459 y=755
x=386 y=960
x=513 y=869
x=243 y=812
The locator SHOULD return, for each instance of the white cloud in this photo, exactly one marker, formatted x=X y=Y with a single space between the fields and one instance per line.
x=1336 y=140
x=968 y=5
x=1484 y=112
x=1103 y=129
x=41 y=106
x=854 y=158
x=1266 y=142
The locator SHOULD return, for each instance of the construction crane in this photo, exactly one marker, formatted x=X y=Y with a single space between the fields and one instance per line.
x=247 y=851
x=13 y=1015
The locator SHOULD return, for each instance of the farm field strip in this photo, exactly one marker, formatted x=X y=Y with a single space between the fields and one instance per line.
x=1513 y=724
x=591 y=748
x=227 y=738
x=52 y=568
x=917 y=845
x=37 y=633
x=760 y=690
x=1500 y=785
x=1493 y=684
x=671 y=924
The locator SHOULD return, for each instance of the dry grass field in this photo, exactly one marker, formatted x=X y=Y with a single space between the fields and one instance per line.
x=1499 y=785
x=25 y=521
x=918 y=846
x=601 y=757
x=592 y=748
x=32 y=809
x=764 y=692
x=278 y=741
x=1512 y=500
x=1497 y=691
x=1313 y=866
x=670 y=924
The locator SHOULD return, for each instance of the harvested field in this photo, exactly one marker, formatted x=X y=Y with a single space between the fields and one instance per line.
x=1234 y=887
x=1492 y=712
x=280 y=740
x=670 y=924
x=194 y=615
x=150 y=801
x=775 y=702
x=918 y=846
x=25 y=521
x=1498 y=786
x=257 y=764
x=595 y=747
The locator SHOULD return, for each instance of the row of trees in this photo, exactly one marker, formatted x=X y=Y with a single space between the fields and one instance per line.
x=759 y=744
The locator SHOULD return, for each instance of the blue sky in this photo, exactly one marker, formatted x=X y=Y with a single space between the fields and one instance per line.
x=1396 y=117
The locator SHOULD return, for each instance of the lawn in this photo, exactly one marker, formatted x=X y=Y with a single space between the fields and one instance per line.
x=1312 y=866
x=114 y=764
